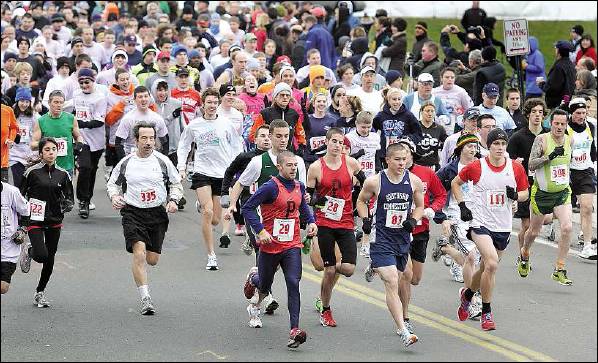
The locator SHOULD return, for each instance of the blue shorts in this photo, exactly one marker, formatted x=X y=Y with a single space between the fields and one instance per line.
x=383 y=259
x=499 y=239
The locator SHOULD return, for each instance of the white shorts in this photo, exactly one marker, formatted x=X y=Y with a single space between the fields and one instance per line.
x=459 y=238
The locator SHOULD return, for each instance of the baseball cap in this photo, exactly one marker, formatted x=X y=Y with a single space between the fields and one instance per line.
x=130 y=39
x=23 y=93
x=57 y=17
x=471 y=113
x=491 y=90
x=366 y=69
x=226 y=88
x=182 y=72
x=425 y=77
x=577 y=103
x=249 y=37
x=163 y=54
x=496 y=134
x=563 y=44
x=318 y=12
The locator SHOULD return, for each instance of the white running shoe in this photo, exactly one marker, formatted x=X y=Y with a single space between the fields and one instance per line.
x=212 y=264
x=580 y=238
x=407 y=337
x=254 y=316
x=408 y=326
x=92 y=206
x=246 y=246
x=447 y=260
x=475 y=306
x=40 y=300
x=588 y=252
x=146 y=306
x=364 y=250
x=457 y=272
x=25 y=258
x=369 y=273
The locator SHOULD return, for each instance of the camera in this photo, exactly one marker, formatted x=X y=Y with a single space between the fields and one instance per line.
x=474 y=30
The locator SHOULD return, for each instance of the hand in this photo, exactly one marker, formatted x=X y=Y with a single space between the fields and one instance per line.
x=367 y=225
x=558 y=151
x=228 y=215
x=446 y=29
x=466 y=215
x=307 y=198
x=512 y=193
x=171 y=207
x=312 y=230
x=19 y=236
x=409 y=224
x=482 y=34
x=183 y=174
x=454 y=29
x=264 y=237
x=77 y=148
x=176 y=113
x=319 y=202
x=429 y=213
x=118 y=202
x=66 y=205
x=225 y=201
x=9 y=142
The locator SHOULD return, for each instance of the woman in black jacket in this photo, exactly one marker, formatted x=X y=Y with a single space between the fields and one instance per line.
x=397 y=51
x=49 y=190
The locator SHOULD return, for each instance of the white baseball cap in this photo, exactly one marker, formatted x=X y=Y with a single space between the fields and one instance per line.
x=425 y=77
x=366 y=69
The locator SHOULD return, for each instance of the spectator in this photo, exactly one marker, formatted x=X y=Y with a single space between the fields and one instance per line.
x=585 y=86
x=398 y=49
x=342 y=26
x=560 y=81
x=10 y=128
x=358 y=48
x=474 y=16
x=421 y=37
x=371 y=60
x=429 y=63
x=587 y=48
x=587 y=64
x=514 y=107
x=575 y=36
x=533 y=66
x=470 y=43
x=466 y=76
x=414 y=100
x=319 y=38
x=260 y=31
x=491 y=71
x=490 y=95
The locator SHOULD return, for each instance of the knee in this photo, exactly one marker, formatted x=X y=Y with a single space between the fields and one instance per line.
x=407 y=275
x=416 y=279
x=215 y=219
x=5 y=286
x=566 y=227
x=330 y=271
x=586 y=207
x=491 y=265
x=152 y=261
x=318 y=267
x=293 y=283
x=41 y=257
x=207 y=212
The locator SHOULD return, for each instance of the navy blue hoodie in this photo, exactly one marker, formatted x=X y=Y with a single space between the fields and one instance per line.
x=403 y=124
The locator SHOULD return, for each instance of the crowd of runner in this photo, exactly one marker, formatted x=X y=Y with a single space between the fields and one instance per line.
x=291 y=120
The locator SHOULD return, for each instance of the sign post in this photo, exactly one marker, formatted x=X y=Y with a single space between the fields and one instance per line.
x=517 y=45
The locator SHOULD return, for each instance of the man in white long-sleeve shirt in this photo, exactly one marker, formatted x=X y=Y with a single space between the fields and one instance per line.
x=218 y=143
x=140 y=185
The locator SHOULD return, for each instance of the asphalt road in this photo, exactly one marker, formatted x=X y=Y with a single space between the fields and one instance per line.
x=201 y=314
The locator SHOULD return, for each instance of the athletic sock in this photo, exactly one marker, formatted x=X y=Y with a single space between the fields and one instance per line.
x=406 y=319
x=468 y=294
x=486 y=308
x=325 y=308
x=560 y=265
x=143 y=291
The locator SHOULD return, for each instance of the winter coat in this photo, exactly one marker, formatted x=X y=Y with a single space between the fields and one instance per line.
x=494 y=72
x=535 y=67
x=433 y=67
x=168 y=109
x=560 y=81
x=319 y=38
x=397 y=51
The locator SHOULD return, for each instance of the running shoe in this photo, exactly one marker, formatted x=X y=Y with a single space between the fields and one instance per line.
x=249 y=288
x=475 y=307
x=551 y=233
x=224 y=241
x=318 y=305
x=408 y=326
x=447 y=260
x=92 y=206
x=326 y=319
x=254 y=316
x=358 y=235
x=246 y=246
x=212 y=262
x=296 y=338
x=239 y=230
x=364 y=250
x=580 y=238
x=181 y=204
x=25 y=258
x=147 y=308
x=588 y=252
x=369 y=273
x=271 y=304
x=407 y=337
x=463 y=311
x=487 y=322
x=523 y=266
x=40 y=300
x=84 y=210
x=560 y=276
x=437 y=250
x=457 y=272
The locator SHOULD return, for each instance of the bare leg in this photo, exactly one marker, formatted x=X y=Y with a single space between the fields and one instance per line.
x=390 y=276
x=204 y=196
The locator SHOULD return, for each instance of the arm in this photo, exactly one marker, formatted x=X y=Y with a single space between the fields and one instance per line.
x=236 y=166
x=418 y=197
x=36 y=135
x=184 y=148
x=304 y=210
x=439 y=193
x=264 y=195
x=369 y=190
x=116 y=113
x=536 y=157
x=76 y=132
x=235 y=192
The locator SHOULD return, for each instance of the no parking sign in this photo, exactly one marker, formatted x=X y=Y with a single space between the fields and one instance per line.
x=516 y=37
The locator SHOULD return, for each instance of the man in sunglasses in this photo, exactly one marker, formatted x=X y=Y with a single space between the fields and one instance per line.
x=90 y=111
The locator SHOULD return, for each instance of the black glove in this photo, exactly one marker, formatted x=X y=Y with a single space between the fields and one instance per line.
x=558 y=151
x=367 y=225
x=409 y=224
x=512 y=193
x=77 y=148
x=66 y=205
x=176 y=113
x=318 y=202
x=466 y=215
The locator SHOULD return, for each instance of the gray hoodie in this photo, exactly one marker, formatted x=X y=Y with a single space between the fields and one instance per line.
x=166 y=109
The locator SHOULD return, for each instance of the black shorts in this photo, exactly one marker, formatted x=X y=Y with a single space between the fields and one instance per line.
x=582 y=182
x=500 y=240
x=148 y=225
x=522 y=210
x=8 y=269
x=345 y=238
x=200 y=180
x=418 y=247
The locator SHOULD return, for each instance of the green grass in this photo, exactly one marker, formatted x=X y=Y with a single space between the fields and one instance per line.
x=547 y=33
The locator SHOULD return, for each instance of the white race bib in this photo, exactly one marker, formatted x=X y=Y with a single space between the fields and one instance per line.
x=559 y=174
x=317 y=141
x=334 y=208
x=284 y=229
x=367 y=165
x=496 y=199
x=62 y=149
x=37 y=209
x=24 y=133
x=83 y=113
x=578 y=158
x=395 y=218
x=6 y=221
x=147 y=196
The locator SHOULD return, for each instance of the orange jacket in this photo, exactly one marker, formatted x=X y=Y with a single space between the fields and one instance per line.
x=10 y=127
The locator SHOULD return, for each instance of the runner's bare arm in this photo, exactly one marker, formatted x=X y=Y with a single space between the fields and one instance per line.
x=35 y=137
x=456 y=188
x=369 y=190
x=536 y=157
x=418 y=197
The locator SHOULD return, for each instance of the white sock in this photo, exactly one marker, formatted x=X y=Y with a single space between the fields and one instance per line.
x=143 y=291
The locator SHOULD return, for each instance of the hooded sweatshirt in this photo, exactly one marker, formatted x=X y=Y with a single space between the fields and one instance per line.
x=535 y=68
x=394 y=127
x=380 y=81
x=167 y=110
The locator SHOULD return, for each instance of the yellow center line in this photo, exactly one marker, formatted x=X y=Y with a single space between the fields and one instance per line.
x=485 y=340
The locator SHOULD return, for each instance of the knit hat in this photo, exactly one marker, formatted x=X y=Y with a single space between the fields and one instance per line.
x=86 y=73
x=281 y=87
x=392 y=76
x=9 y=55
x=226 y=88
x=496 y=134
x=120 y=52
x=287 y=68
x=193 y=53
x=577 y=103
x=23 y=93
x=316 y=71
x=149 y=48
x=253 y=63
x=61 y=62
x=284 y=59
x=462 y=141
x=422 y=24
x=178 y=50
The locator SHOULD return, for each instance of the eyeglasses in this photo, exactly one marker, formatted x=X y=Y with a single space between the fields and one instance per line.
x=84 y=82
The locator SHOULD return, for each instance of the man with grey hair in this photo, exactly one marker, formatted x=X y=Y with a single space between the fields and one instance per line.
x=467 y=75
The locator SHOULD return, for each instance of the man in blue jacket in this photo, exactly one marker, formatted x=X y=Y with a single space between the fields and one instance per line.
x=534 y=68
x=318 y=37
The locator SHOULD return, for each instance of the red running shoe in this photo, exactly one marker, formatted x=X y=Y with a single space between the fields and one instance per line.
x=326 y=319
x=296 y=338
x=488 y=322
x=249 y=288
x=463 y=311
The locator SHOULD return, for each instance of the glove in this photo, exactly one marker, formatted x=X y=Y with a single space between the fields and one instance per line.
x=367 y=225
x=558 y=151
x=225 y=201
x=176 y=113
x=409 y=224
x=77 y=148
x=19 y=236
x=511 y=193
x=466 y=215
x=319 y=202
x=429 y=213
x=358 y=154
x=66 y=205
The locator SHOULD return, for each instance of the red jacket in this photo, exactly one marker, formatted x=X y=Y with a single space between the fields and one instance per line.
x=432 y=187
x=590 y=53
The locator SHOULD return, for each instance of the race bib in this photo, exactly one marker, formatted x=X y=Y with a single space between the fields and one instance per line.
x=316 y=142
x=578 y=158
x=284 y=229
x=559 y=174
x=5 y=218
x=83 y=113
x=495 y=199
x=367 y=165
x=24 y=133
x=62 y=149
x=334 y=208
x=395 y=218
x=37 y=209
x=147 y=196
x=253 y=188
x=391 y=140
